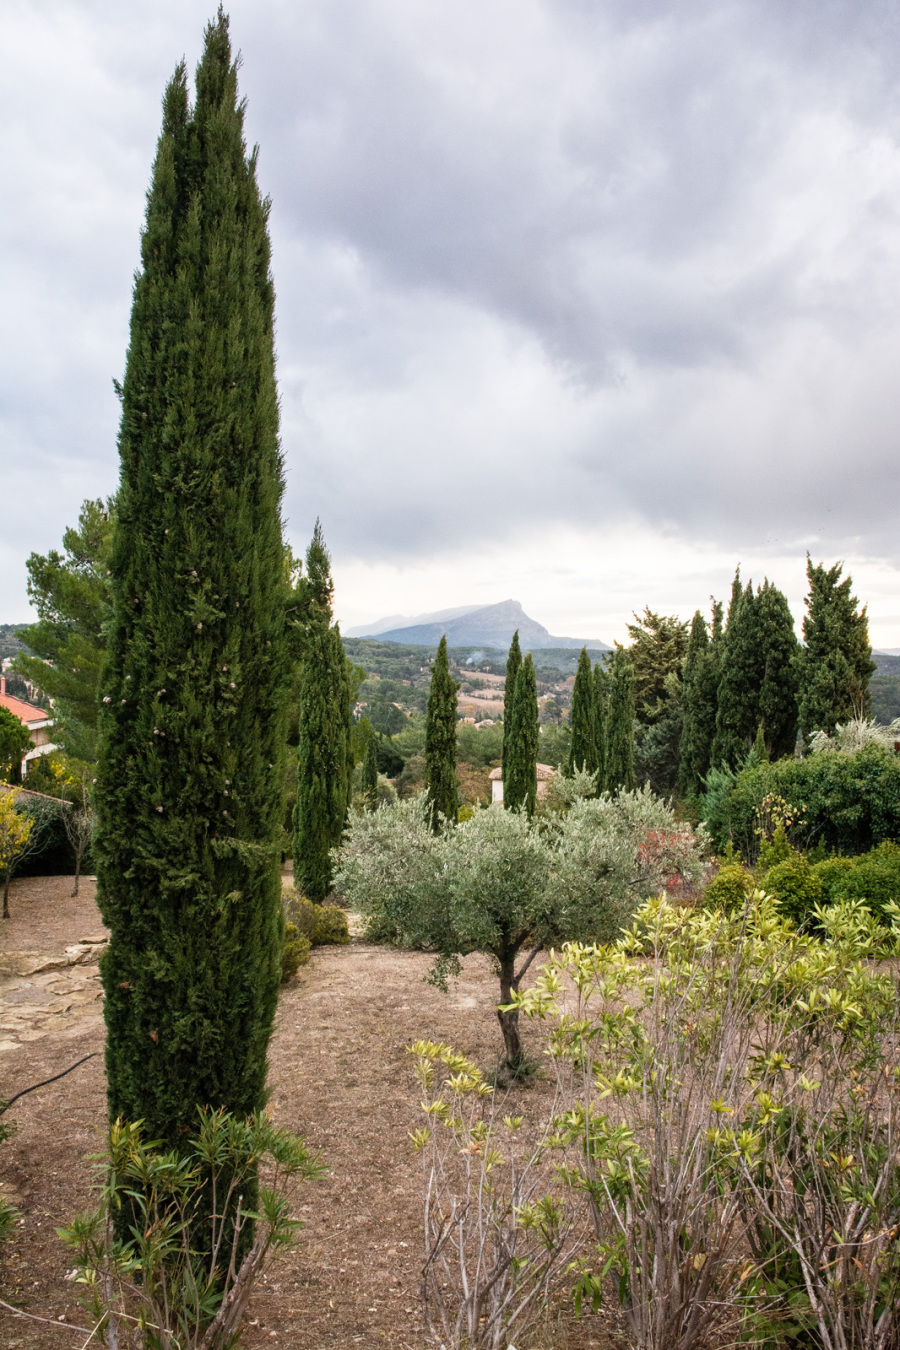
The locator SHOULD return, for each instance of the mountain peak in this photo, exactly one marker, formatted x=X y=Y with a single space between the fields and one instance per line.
x=472 y=626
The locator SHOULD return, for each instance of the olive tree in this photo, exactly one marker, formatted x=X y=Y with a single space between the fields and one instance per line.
x=509 y=886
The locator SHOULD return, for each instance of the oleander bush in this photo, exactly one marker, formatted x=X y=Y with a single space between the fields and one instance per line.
x=182 y=1278
x=729 y=1113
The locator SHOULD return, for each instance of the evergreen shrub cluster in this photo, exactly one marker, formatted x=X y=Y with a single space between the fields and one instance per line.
x=852 y=802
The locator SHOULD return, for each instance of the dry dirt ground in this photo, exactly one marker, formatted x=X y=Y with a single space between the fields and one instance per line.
x=341 y=1077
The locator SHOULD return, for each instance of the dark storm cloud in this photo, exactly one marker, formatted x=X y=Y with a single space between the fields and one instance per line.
x=590 y=258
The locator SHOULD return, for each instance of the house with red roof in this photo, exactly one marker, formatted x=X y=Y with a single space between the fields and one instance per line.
x=37 y=720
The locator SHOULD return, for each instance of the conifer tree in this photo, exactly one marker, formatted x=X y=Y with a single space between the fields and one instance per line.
x=620 y=725
x=757 y=680
x=837 y=664
x=370 y=775
x=583 y=751
x=520 y=787
x=698 y=649
x=658 y=647
x=513 y=663
x=737 y=710
x=600 y=691
x=324 y=759
x=440 y=741
x=779 y=653
x=71 y=594
x=192 y=732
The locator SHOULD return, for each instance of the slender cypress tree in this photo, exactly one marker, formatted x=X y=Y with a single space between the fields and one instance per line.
x=700 y=700
x=520 y=788
x=779 y=650
x=324 y=761
x=440 y=741
x=192 y=731
x=740 y=679
x=620 y=725
x=324 y=758
x=757 y=681
x=600 y=681
x=370 y=775
x=698 y=649
x=837 y=664
x=583 y=752
x=513 y=662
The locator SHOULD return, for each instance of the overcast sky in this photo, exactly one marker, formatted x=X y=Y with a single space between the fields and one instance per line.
x=580 y=302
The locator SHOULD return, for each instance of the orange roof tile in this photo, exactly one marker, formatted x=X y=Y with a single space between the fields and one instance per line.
x=26 y=712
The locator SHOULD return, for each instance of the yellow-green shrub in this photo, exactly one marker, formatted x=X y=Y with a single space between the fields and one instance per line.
x=295 y=952
x=728 y=889
x=323 y=925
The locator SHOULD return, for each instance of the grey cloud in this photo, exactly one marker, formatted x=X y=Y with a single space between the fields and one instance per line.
x=634 y=215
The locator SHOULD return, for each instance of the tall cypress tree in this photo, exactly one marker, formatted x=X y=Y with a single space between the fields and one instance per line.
x=740 y=677
x=620 y=725
x=700 y=700
x=513 y=663
x=192 y=731
x=440 y=740
x=779 y=650
x=370 y=775
x=600 y=681
x=698 y=650
x=583 y=751
x=520 y=787
x=757 y=679
x=324 y=759
x=324 y=762
x=837 y=664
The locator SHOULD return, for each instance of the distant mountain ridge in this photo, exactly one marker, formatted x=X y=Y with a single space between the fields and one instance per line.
x=472 y=626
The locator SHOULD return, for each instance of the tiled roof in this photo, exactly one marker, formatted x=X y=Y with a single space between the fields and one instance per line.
x=26 y=712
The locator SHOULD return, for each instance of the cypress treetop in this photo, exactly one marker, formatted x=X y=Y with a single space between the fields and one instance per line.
x=440 y=740
x=192 y=732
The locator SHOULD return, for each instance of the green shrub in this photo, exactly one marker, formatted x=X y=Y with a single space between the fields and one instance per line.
x=852 y=801
x=295 y=953
x=796 y=886
x=728 y=889
x=831 y=872
x=873 y=877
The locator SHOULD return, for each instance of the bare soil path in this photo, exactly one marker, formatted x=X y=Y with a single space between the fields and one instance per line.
x=341 y=1077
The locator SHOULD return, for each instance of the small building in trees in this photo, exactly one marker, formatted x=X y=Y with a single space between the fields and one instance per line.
x=37 y=721
x=544 y=773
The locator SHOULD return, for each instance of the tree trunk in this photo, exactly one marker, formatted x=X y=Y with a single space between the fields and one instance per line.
x=509 y=1021
x=77 y=871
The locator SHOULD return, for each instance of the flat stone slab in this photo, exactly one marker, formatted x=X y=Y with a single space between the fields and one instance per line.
x=43 y=995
